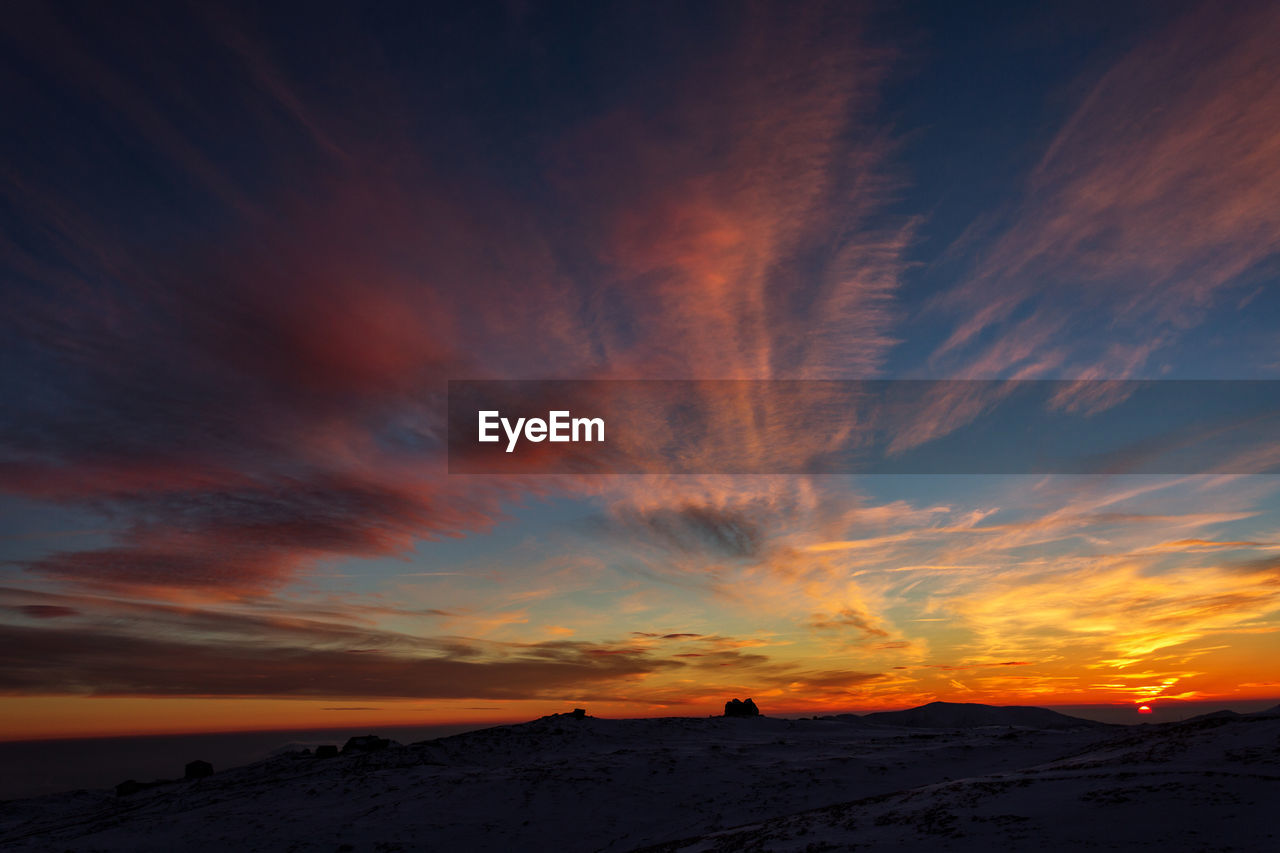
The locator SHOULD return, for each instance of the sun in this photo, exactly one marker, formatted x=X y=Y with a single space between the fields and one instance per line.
x=1144 y=709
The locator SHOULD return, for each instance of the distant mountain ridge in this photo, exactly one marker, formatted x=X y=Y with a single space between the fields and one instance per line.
x=961 y=715
x=1234 y=715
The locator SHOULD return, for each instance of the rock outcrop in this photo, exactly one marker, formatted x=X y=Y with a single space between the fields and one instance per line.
x=198 y=770
x=738 y=708
x=366 y=743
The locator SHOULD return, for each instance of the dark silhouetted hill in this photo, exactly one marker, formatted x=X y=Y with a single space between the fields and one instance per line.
x=585 y=784
x=952 y=715
x=1216 y=715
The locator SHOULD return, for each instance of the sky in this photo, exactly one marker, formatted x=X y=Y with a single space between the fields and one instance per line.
x=244 y=251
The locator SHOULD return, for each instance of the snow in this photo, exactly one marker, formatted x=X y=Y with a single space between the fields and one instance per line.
x=685 y=784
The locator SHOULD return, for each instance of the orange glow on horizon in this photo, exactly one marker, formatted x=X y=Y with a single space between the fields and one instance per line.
x=54 y=717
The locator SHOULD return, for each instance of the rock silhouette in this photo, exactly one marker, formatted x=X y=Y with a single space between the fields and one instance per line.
x=133 y=786
x=198 y=770
x=326 y=750
x=366 y=743
x=738 y=708
x=129 y=786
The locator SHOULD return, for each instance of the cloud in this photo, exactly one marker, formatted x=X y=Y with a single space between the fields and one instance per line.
x=1189 y=546
x=1269 y=565
x=250 y=382
x=122 y=647
x=254 y=539
x=353 y=708
x=45 y=661
x=723 y=200
x=652 y=636
x=1121 y=609
x=848 y=617
x=1150 y=204
x=46 y=611
x=250 y=399
x=693 y=528
x=126 y=648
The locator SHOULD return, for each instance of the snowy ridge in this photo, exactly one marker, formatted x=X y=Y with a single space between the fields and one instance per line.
x=567 y=784
x=1205 y=785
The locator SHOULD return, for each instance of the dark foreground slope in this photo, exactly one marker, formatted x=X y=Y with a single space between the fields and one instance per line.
x=1209 y=785
x=567 y=784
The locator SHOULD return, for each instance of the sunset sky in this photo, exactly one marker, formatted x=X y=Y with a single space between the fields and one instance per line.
x=244 y=251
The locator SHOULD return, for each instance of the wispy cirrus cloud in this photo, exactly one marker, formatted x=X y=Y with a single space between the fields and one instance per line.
x=1151 y=202
x=250 y=398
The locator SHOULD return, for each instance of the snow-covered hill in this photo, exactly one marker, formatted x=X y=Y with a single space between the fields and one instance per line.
x=1209 y=785
x=567 y=784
